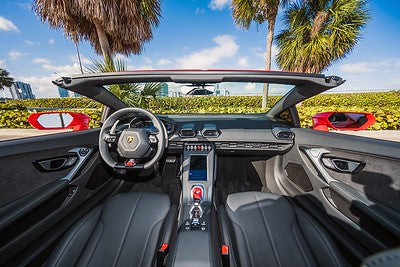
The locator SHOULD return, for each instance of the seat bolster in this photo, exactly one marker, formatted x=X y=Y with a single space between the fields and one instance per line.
x=74 y=241
x=322 y=246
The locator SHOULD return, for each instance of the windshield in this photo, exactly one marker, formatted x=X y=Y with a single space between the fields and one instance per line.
x=195 y=98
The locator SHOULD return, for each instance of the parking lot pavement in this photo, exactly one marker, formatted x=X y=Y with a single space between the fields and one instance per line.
x=7 y=134
x=385 y=135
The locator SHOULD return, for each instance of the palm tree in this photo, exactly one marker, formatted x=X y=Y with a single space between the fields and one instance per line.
x=319 y=32
x=132 y=94
x=259 y=11
x=5 y=81
x=111 y=26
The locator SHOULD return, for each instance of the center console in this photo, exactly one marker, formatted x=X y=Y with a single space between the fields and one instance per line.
x=195 y=245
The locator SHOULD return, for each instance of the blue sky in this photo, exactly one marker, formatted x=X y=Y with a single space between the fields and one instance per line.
x=192 y=34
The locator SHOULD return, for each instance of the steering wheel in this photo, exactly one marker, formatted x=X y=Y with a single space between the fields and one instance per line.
x=133 y=144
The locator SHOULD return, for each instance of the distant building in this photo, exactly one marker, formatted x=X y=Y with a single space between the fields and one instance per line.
x=63 y=92
x=163 y=91
x=20 y=90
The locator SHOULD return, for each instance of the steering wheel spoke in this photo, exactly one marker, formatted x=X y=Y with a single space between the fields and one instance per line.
x=153 y=139
x=111 y=138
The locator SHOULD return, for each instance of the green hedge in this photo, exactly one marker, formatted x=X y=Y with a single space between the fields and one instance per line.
x=385 y=106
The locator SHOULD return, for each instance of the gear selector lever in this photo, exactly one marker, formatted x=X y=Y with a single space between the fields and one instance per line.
x=196 y=211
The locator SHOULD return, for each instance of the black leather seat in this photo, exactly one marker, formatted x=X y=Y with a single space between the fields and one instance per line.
x=266 y=230
x=124 y=231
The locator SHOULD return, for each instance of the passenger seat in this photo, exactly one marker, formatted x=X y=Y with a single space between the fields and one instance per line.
x=267 y=230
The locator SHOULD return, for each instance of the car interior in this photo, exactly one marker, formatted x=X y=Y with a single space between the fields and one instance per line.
x=199 y=189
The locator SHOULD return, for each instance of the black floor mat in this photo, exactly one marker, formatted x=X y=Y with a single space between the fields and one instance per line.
x=167 y=183
x=240 y=174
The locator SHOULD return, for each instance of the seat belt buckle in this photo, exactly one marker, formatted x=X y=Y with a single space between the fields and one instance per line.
x=225 y=255
x=162 y=252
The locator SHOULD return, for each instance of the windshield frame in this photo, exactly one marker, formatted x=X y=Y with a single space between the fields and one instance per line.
x=305 y=84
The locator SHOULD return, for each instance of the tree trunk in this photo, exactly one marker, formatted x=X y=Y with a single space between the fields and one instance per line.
x=270 y=39
x=103 y=41
x=318 y=22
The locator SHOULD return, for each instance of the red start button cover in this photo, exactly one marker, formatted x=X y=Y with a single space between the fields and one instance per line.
x=197 y=193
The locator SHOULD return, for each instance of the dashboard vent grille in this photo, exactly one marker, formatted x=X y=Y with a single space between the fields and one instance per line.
x=283 y=133
x=210 y=133
x=210 y=130
x=187 y=130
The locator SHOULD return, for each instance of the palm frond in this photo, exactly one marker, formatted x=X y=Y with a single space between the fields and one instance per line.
x=318 y=32
x=132 y=94
x=128 y=24
x=5 y=79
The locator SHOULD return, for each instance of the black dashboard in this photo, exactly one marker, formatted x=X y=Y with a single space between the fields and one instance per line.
x=250 y=134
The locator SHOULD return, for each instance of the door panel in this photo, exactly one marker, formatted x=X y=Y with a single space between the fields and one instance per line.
x=41 y=205
x=361 y=209
x=19 y=176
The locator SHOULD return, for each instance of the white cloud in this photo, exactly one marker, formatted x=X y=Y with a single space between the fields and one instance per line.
x=368 y=75
x=41 y=86
x=63 y=69
x=130 y=67
x=368 y=67
x=29 y=42
x=362 y=67
x=84 y=60
x=7 y=25
x=164 y=61
x=2 y=63
x=15 y=55
x=250 y=87
x=51 y=41
x=40 y=60
x=226 y=47
x=218 y=4
x=243 y=62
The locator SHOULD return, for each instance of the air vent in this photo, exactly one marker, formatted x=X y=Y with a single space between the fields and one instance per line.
x=187 y=130
x=283 y=133
x=210 y=131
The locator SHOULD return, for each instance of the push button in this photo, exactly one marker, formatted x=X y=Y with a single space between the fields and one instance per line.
x=197 y=193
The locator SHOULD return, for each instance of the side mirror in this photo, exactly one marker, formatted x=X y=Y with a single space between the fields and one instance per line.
x=59 y=120
x=343 y=121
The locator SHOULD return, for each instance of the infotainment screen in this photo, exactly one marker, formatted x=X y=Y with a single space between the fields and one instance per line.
x=198 y=168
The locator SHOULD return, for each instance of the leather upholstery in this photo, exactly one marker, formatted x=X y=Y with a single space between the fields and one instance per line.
x=124 y=231
x=269 y=231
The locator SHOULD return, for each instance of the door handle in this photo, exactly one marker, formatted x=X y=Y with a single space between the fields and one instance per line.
x=55 y=164
x=343 y=165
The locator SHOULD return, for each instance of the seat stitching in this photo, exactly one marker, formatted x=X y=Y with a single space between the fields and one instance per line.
x=72 y=238
x=268 y=231
x=322 y=239
x=147 y=240
x=299 y=246
x=126 y=230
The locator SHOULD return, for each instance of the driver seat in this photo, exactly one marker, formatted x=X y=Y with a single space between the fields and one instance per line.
x=124 y=231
